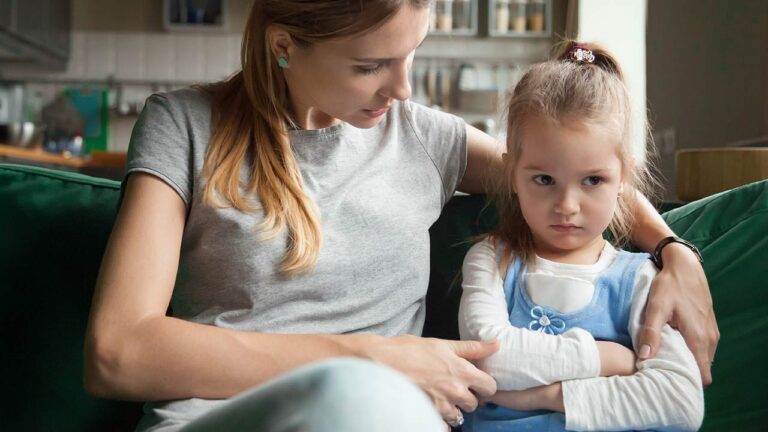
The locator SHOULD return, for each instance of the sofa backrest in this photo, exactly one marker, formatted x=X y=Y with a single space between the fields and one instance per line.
x=54 y=226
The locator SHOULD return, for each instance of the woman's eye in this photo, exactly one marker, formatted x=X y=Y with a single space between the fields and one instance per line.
x=543 y=180
x=369 y=70
x=593 y=180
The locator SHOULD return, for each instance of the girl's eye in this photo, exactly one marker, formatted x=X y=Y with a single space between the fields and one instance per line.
x=369 y=70
x=593 y=180
x=543 y=180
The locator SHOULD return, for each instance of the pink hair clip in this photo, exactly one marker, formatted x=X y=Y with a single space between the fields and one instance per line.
x=581 y=54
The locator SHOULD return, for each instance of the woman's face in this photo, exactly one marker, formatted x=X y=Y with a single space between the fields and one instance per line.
x=355 y=79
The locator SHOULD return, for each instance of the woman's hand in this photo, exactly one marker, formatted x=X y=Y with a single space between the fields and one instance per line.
x=442 y=368
x=680 y=296
x=548 y=397
x=616 y=359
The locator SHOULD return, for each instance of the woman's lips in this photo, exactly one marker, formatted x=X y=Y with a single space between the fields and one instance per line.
x=376 y=113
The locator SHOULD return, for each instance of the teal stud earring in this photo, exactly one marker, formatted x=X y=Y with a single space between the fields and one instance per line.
x=282 y=62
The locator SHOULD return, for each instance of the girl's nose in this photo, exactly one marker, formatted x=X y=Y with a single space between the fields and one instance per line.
x=567 y=203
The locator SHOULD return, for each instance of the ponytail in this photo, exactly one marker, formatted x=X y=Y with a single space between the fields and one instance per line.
x=600 y=57
x=250 y=124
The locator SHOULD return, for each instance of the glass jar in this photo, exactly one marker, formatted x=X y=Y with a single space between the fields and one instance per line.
x=444 y=10
x=432 y=17
x=462 y=14
x=517 y=15
x=501 y=13
x=536 y=15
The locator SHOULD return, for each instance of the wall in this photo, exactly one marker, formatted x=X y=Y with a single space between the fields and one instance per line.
x=121 y=45
x=707 y=74
x=143 y=16
x=620 y=27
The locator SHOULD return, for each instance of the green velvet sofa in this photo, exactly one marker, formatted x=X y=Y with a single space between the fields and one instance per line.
x=54 y=226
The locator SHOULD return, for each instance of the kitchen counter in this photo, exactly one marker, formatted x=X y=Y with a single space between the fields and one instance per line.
x=99 y=163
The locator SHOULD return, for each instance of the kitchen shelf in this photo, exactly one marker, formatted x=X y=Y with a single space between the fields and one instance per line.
x=460 y=11
x=511 y=33
x=195 y=15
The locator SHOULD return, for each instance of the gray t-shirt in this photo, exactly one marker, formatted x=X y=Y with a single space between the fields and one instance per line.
x=378 y=191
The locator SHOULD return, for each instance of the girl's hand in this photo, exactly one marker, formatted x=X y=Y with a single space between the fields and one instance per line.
x=680 y=296
x=548 y=397
x=616 y=359
x=442 y=368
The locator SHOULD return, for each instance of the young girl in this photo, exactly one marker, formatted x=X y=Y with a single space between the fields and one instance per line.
x=567 y=175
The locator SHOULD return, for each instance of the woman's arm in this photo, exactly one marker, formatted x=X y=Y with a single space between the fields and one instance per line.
x=483 y=161
x=134 y=351
x=527 y=359
x=679 y=295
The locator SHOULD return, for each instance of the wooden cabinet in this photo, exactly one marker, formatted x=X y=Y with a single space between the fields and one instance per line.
x=30 y=21
x=6 y=8
x=35 y=32
x=58 y=27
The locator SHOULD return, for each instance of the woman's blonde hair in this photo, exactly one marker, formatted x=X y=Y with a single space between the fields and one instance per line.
x=251 y=117
x=570 y=87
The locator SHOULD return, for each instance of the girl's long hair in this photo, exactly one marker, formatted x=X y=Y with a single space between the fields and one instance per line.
x=590 y=93
x=251 y=117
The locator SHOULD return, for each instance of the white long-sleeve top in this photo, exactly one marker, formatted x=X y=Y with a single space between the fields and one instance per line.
x=666 y=392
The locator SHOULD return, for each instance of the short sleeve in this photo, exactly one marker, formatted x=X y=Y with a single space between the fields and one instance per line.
x=444 y=138
x=161 y=146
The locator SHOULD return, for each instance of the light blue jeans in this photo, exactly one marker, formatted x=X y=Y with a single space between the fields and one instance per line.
x=339 y=395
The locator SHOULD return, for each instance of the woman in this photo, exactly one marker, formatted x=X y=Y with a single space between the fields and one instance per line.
x=283 y=215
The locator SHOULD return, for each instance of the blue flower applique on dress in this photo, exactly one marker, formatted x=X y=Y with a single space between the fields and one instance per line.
x=545 y=322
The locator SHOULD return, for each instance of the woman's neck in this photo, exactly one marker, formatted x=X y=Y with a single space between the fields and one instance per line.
x=310 y=118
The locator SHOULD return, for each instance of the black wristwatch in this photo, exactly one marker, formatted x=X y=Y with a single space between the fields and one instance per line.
x=673 y=239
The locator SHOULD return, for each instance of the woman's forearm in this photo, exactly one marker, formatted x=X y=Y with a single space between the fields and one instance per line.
x=166 y=358
x=680 y=294
x=649 y=226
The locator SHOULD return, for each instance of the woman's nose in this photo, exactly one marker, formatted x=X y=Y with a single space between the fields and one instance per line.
x=398 y=86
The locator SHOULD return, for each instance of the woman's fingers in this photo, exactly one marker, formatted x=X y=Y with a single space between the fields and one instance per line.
x=478 y=381
x=680 y=297
x=442 y=368
x=451 y=414
x=474 y=350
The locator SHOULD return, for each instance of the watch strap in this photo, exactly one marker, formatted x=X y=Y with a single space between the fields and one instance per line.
x=673 y=239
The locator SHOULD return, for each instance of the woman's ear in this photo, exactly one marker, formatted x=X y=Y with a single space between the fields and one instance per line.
x=280 y=42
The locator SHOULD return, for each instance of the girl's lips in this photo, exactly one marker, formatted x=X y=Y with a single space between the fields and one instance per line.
x=565 y=228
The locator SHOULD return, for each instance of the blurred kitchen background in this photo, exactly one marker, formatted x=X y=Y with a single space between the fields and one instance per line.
x=74 y=74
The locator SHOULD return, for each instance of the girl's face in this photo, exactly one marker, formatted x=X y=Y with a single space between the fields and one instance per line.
x=355 y=79
x=568 y=179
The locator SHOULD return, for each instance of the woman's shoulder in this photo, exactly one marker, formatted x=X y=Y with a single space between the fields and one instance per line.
x=187 y=99
x=422 y=115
